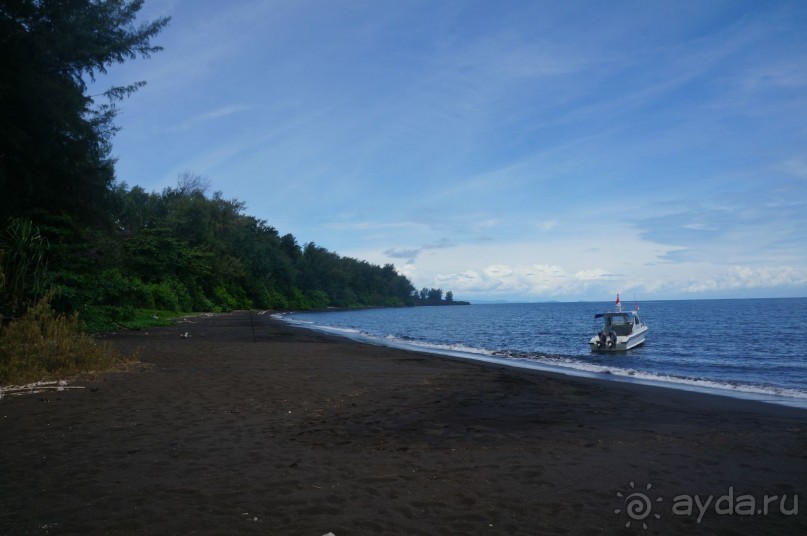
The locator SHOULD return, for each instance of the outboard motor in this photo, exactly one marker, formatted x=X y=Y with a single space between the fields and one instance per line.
x=611 y=339
x=600 y=339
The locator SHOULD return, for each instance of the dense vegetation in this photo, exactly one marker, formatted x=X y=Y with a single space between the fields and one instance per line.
x=182 y=250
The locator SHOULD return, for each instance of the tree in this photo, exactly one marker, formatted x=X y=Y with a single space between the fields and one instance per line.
x=290 y=247
x=435 y=294
x=55 y=140
x=189 y=184
x=449 y=296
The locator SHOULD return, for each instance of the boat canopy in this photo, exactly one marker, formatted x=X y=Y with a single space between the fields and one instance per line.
x=628 y=315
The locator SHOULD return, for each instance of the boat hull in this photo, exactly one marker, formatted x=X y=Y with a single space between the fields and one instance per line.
x=623 y=342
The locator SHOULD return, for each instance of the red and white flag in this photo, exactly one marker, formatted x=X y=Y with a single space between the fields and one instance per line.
x=617 y=298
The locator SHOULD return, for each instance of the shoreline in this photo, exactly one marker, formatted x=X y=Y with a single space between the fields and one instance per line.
x=713 y=395
x=708 y=387
x=300 y=432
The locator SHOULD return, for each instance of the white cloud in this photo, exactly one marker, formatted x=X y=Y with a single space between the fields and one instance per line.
x=532 y=280
x=745 y=277
x=597 y=274
x=569 y=267
x=541 y=281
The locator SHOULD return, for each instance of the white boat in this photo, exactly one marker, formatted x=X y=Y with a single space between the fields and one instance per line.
x=622 y=330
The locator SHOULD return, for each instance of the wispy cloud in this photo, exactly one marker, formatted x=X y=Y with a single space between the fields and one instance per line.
x=796 y=167
x=411 y=254
x=547 y=225
x=211 y=115
x=371 y=225
x=535 y=280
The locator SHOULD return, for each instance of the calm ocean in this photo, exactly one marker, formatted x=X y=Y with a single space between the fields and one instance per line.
x=753 y=348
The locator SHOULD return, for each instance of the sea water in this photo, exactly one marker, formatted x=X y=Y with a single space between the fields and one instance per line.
x=751 y=348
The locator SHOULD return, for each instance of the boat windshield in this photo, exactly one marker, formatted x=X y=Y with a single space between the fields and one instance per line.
x=617 y=320
x=619 y=323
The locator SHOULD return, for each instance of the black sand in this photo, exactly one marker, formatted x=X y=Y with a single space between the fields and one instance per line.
x=302 y=433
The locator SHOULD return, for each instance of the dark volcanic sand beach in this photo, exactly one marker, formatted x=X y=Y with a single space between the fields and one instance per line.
x=303 y=433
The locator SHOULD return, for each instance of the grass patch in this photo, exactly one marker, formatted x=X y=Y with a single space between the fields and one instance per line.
x=149 y=318
x=135 y=319
x=43 y=344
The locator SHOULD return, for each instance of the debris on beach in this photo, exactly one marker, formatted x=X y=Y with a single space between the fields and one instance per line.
x=36 y=387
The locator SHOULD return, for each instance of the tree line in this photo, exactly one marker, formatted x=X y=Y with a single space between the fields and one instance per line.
x=184 y=250
x=434 y=296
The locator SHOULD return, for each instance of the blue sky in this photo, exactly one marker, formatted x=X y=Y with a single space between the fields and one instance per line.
x=503 y=150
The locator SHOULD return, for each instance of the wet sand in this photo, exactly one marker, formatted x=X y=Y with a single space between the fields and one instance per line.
x=289 y=431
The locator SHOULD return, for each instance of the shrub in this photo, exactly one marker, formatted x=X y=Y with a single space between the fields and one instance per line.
x=223 y=299
x=317 y=299
x=184 y=298
x=199 y=301
x=164 y=297
x=297 y=300
x=277 y=301
x=43 y=344
x=119 y=290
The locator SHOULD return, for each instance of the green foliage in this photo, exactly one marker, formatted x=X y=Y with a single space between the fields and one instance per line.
x=317 y=299
x=181 y=250
x=44 y=344
x=24 y=260
x=100 y=319
x=148 y=318
x=276 y=300
x=297 y=300
x=164 y=297
x=227 y=260
x=106 y=317
x=115 y=288
x=224 y=301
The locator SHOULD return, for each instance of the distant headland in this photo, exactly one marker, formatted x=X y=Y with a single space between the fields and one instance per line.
x=434 y=296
